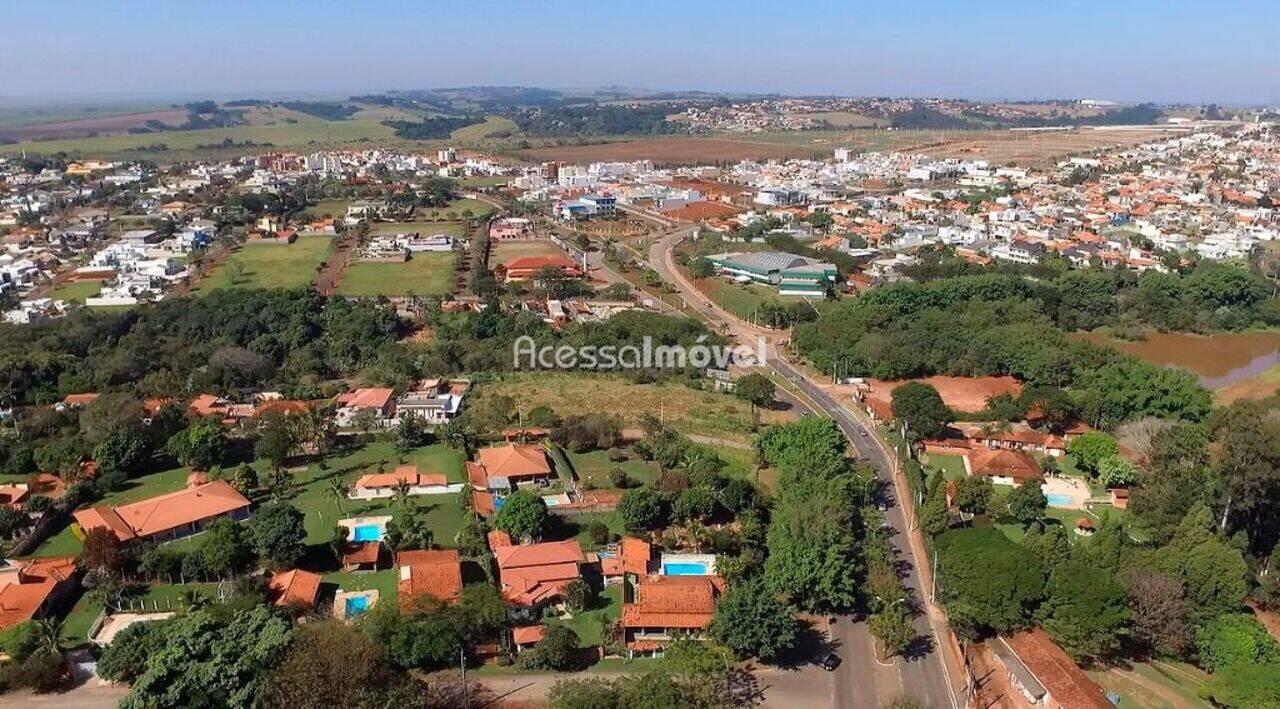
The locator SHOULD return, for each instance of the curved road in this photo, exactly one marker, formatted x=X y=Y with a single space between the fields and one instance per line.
x=861 y=680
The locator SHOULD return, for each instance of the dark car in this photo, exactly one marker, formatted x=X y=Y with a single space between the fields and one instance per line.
x=830 y=662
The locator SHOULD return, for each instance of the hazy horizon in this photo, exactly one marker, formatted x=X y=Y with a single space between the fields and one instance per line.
x=1142 y=51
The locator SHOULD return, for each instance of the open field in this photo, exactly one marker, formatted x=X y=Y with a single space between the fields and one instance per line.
x=423 y=274
x=91 y=125
x=77 y=291
x=331 y=207
x=310 y=134
x=672 y=151
x=845 y=119
x=690 y=411
x=455 y=210
x=504 y=252
x=270 y=265
x=741 y=300
x=427 y=228
x=1154 y=685
x=480 y=131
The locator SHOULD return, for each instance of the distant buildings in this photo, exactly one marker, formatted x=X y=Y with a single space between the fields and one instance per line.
x=792 y=274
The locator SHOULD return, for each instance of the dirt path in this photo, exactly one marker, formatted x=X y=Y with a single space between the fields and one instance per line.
x=331 y=274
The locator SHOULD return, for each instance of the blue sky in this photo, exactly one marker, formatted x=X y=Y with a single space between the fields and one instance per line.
x=1161 y=50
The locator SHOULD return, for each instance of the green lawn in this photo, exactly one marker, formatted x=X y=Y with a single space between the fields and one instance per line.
x=423 y=274
x=386 y=582
x=1155 y=685
x=333 y=207
x=582 y=525
x=75 y=627
x=587 y=624
x=76 y=292
x=271 y=265
x=594 y=467
x=743 y=301
x=479 y=210
x=494 y=181
x=1068 y=519
x=425 y=227
x=952 y=465
x=322 y=511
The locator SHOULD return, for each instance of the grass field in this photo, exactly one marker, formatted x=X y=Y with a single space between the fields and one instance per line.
x=845 y=119
x=743 y=301
x=425 y=227
x=333 y=207
x=455 y=210
x=480 y=131
x=1155 y=685
x=504 y=252
x=607 y=606
x=952 y=465
x=424 y=274
x=76 y=292
x=594 y=467
x=690 y=411
x=270 y=265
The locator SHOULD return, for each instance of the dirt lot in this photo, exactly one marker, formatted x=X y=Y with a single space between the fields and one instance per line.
x=89 y=126
x=506 y=251
x=673 y=151
x=1032 y=147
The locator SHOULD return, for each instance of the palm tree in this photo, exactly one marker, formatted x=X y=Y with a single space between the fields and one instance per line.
x=47 y=634
x=337 y=492
x=401 y=495
x=191 y=599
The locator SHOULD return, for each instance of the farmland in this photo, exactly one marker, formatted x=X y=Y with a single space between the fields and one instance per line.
x=270 y=265
x=671 y=151
x=425 y=274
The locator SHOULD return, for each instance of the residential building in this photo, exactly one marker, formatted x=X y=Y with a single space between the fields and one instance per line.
x=167 y=517
x=666 y=607
x=294 y=589
x=535 y=574
x=434 y=401
x=31 y=588
x=430 y=573
x=1044 y=674
x=506 y=467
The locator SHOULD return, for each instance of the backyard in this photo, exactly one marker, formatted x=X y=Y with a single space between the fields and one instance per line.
x=424 y=274
x=76 y=291
x=270 y=265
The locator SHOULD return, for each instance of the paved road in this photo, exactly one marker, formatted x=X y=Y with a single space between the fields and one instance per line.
x=861 y=679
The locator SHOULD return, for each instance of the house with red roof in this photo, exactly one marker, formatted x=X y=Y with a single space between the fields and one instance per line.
x=294 y=588
x=527 y=268
x=667 y=607
x=1003 y=466
x=506 y=467
x=433 y=573
x=535 y=574
x=31 y=588
x=166 y=517
x=380 y=402
x=373 y=486
x=1044 y=674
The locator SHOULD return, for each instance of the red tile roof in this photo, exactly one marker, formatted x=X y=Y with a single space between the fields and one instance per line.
x=672 y=602
x=1003 y=463
x=405 y=473
x=27 y=585
x=532 y=573
x=295 y=588
x=1063 y=679
x=429 y=572
x=513 y=461
x=360 y=553
x=366 y=398
x=527 y=634
x=163 y=513
x=635 y=556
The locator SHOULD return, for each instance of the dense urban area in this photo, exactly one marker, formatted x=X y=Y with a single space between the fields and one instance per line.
x=1012 y=439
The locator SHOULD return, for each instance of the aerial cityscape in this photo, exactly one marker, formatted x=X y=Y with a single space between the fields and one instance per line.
x=623 y=366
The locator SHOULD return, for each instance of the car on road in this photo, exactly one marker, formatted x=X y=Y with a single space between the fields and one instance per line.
x=863 y=433
x=830 y=662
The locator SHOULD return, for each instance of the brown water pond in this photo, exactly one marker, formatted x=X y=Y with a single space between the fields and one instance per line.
x=1218 y=360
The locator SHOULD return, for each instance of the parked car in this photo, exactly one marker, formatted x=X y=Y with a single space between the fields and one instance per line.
x=830 y=662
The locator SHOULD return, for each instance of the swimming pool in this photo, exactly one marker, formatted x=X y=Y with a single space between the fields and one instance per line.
x=356 y=605
x=367 y=533
x=685 y=568
x=1059 y=500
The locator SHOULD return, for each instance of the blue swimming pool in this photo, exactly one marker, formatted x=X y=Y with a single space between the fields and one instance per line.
x=685 y=568
x=1060 y=500
x=357 y=605
x=366 y=533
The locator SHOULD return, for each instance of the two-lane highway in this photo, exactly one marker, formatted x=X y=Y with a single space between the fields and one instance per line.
x=925 y=676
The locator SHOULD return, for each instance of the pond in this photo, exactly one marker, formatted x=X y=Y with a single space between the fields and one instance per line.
x=1218 y=360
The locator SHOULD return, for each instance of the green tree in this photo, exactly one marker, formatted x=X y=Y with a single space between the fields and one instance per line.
x=200 y=445
x=1234 y=639
x=755 y=389
x=1091 y=448
x=1248 y=686
x=1026 y=503
x=1051 y=545
x=935 y=516
x=920 y=406
x=696 y=504
x=208 y=659
x=813 y=551
x=123 y=451
x=1114 y=471
x=642 y=509
x=333 y=664
x=973 y=494
x=1086 y=611
x=987 y=582
x=223 y=548
x=278 y=534
x=410 y=529
x=523 y=516
x=752 y=622
x=557 y=650
x=892 y=627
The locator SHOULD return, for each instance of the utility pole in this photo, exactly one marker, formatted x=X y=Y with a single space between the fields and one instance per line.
x=462 y=662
